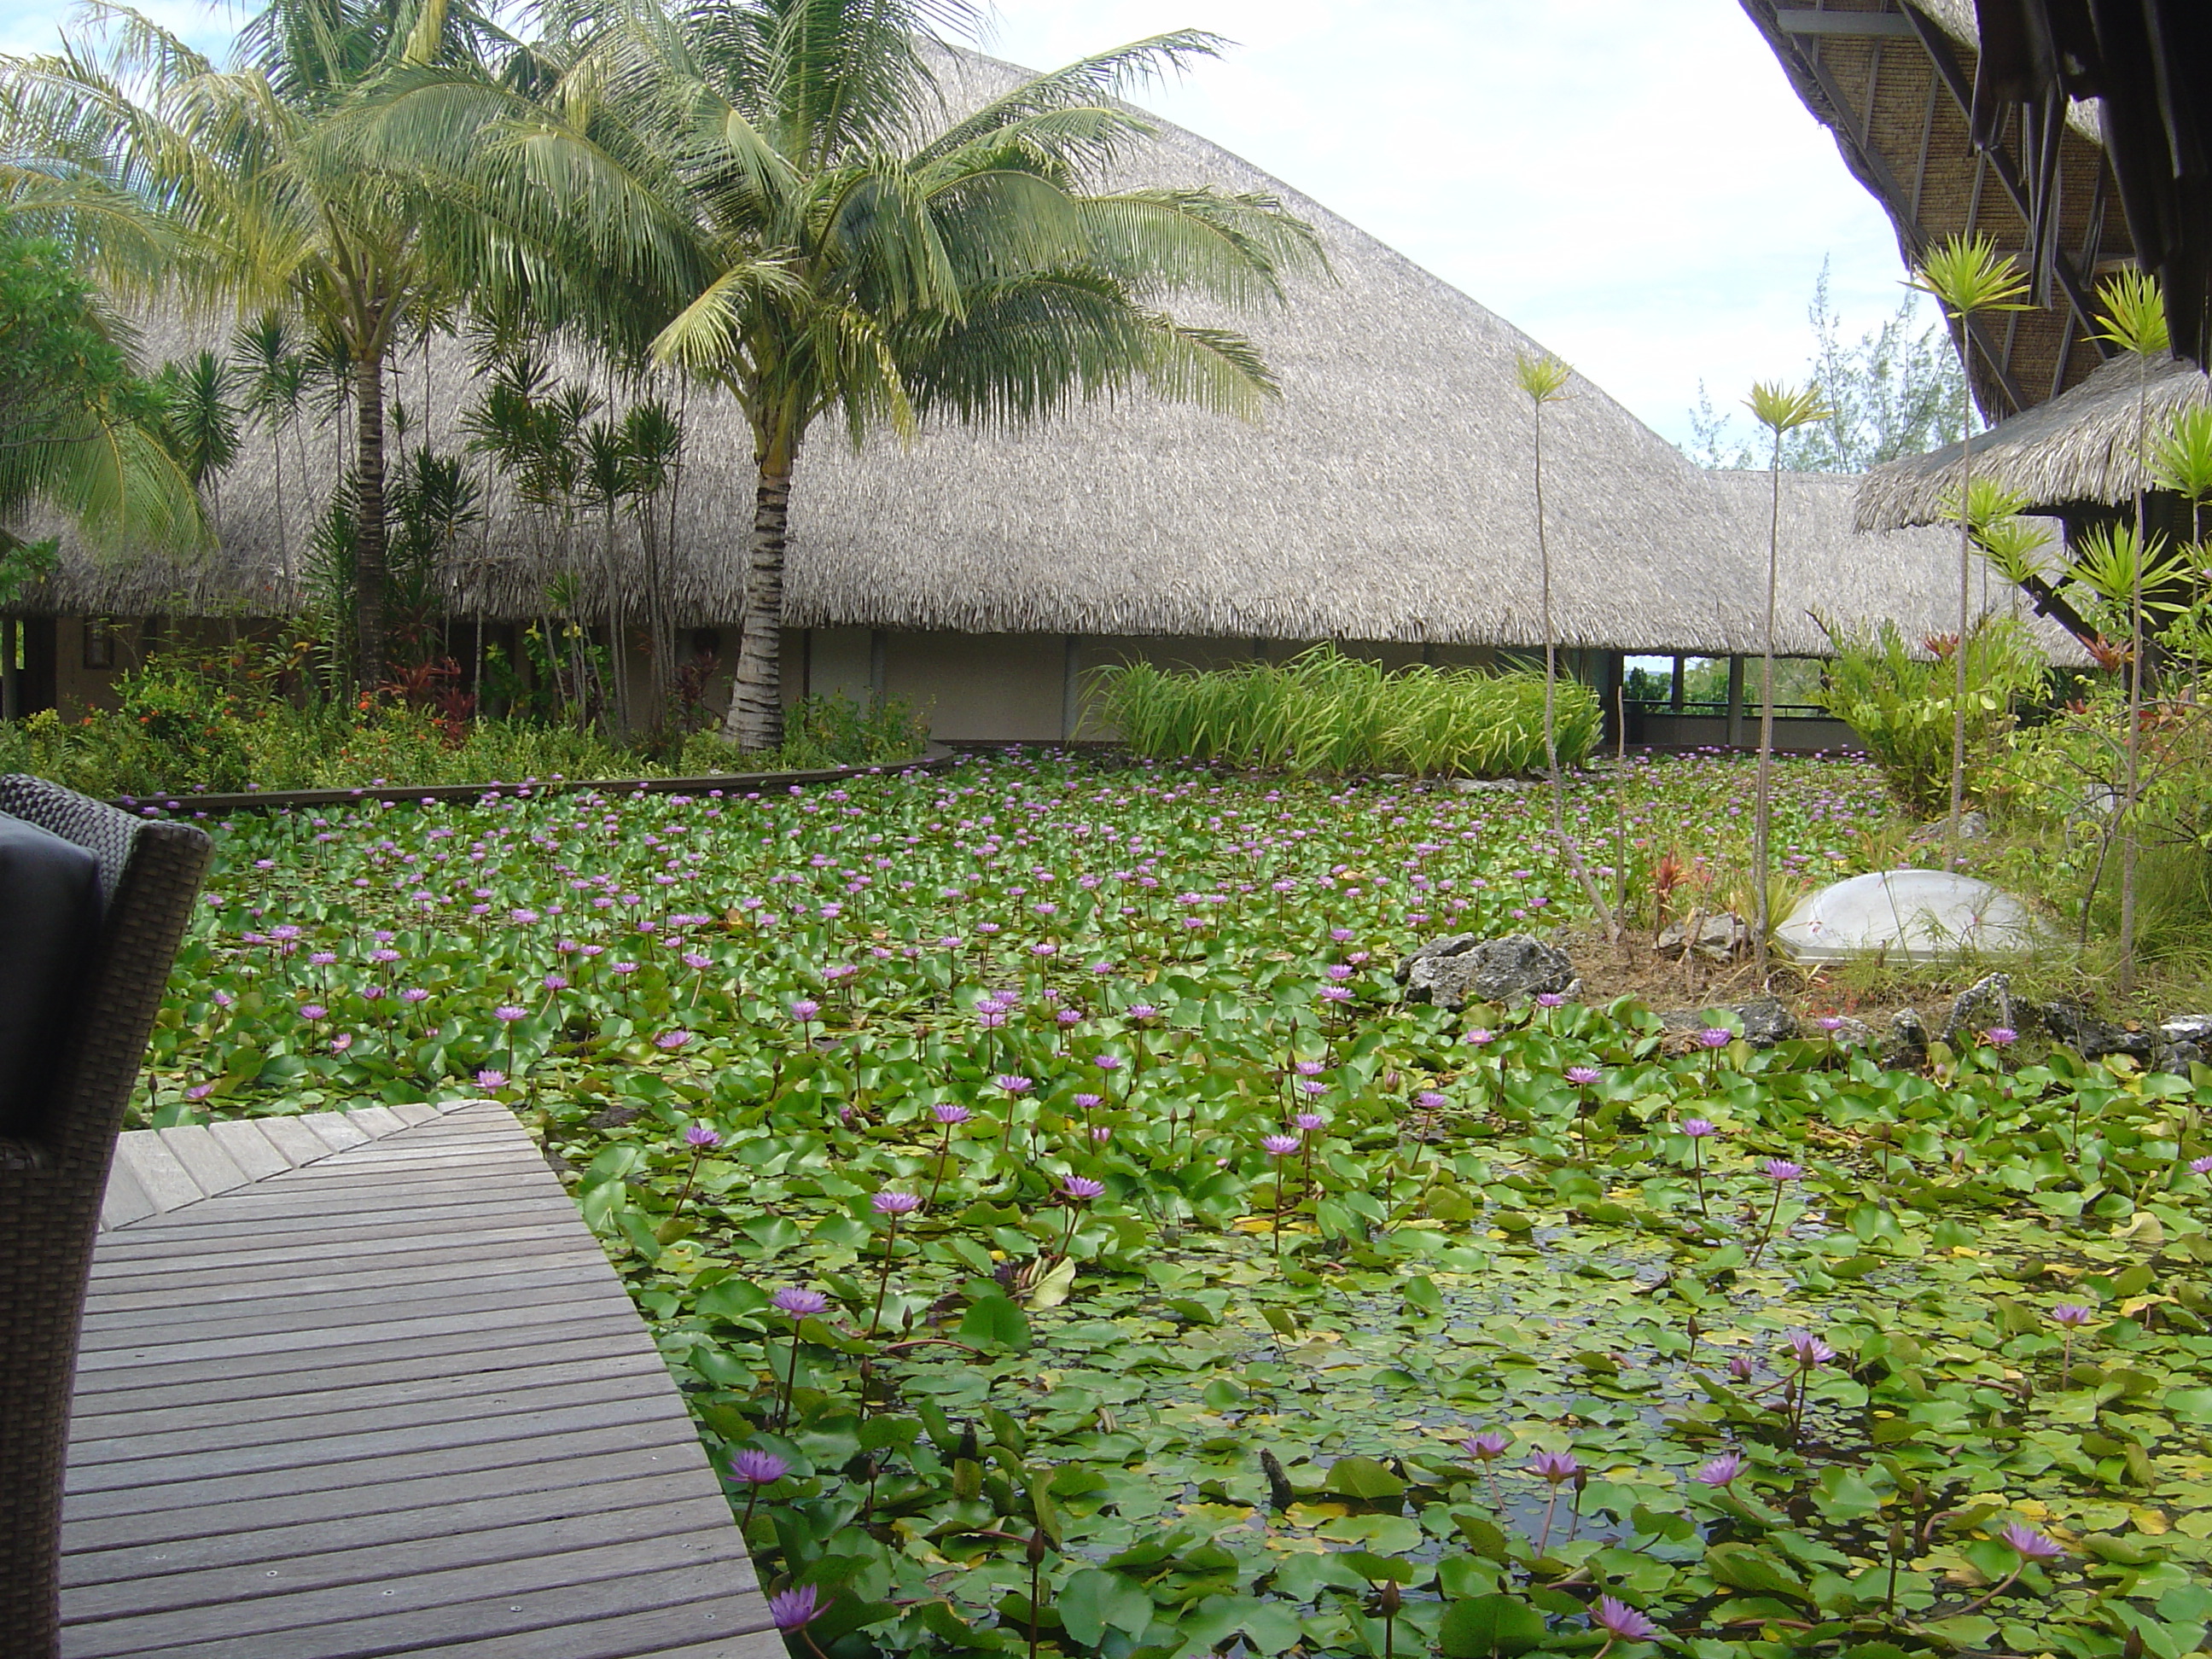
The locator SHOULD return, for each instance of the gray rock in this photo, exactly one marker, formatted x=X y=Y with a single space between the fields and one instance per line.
x=2177 y=1057
x=1904 y=1047
x=1720 y=938
x=1488 y=786
x=1458 y=970
x=2187 y=1028
x=1984 y=1006
x=1972 y=826
x=1764 y=1021
x=2070 y=1021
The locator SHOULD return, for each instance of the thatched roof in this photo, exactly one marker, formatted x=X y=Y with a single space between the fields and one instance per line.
x=2082 y=448
x=1894 y=81
x=1828 y=569
x=1386 y=497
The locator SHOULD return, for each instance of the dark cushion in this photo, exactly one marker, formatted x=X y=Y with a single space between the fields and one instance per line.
x=49 y=921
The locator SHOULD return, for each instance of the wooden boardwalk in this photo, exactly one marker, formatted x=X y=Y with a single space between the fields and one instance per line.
x=380 y=1397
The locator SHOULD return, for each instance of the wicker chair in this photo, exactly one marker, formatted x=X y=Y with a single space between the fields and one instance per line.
x=57 y=1136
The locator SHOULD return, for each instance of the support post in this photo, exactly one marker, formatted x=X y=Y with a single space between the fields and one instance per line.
x=1674 y=698
x=1070 y=686
x=11 y=669
x=878 y=659
x=1735 y=720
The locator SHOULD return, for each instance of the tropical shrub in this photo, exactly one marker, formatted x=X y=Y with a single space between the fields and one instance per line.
x=181 y=730
x=1901 y=704
x=1326 y=711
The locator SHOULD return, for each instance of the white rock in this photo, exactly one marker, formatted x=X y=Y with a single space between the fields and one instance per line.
x=1910 y=915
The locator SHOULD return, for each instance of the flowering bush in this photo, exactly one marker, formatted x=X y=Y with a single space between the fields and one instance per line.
x=957 y=1212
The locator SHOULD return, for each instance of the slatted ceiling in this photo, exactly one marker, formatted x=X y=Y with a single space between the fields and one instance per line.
x=391 y=1402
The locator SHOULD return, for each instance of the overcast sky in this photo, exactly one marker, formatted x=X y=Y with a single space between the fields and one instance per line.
x=1631 y=181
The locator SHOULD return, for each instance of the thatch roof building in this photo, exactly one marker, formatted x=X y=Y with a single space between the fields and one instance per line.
x=1893 y=80
x=1385 y=502
x=2077 y=454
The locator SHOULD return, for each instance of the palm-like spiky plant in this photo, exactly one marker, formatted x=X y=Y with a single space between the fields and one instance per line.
x=2132 y=313
x=170 y=176
x=1781 y=409
x=1544 y=379
x=1968 y=277
x=775 y=197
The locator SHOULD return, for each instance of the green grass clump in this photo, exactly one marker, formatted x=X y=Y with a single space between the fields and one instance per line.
x=1328 y=712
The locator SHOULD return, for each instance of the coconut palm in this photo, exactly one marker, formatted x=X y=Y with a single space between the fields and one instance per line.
x=1967 y=275
x=173 y=178
x=79 y=432
x=777 y=198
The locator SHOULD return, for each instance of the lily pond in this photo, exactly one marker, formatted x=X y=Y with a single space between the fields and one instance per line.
x=1069 y=1242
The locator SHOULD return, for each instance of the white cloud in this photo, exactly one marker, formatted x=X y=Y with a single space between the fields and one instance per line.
x=1632 y=182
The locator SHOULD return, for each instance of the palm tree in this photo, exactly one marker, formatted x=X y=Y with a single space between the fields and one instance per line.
x=1781 y=409
x=79 y=432
x=773 y=196
x=169 y=175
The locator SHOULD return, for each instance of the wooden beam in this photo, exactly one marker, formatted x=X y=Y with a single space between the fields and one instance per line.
x=1797 y=21
x=1937 y=45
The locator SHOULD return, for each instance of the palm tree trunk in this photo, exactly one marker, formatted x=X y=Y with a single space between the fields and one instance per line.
x=370 y=577
x=2129 y=844
x=617 y=618
x=756 y=717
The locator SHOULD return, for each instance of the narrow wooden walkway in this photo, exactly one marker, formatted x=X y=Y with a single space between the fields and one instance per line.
x=387 y=1398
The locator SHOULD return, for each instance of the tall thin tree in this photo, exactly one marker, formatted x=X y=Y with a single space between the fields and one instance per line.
x=1544 y=379
x=1781 y=409
x=1968 y=277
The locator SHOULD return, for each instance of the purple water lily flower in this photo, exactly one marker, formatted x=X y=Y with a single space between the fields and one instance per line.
x=702 y=1136
x=1722 y=1470
x=1618 y=1619
x=757 y=1469
x=895 y=1204
x=1082 y=1189
x=1487 y=1446
x=795 y=1609
x=2032 y=1545
x=1555 y=1467
x=800 y=1302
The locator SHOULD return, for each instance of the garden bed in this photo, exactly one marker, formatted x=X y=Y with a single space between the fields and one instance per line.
x=1069 y=1242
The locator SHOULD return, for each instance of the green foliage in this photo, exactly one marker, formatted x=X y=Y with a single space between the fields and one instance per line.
x=1895 y=391
x=1901 y=703
x=2132 y=311
x=193 y=723
x=1215 y=1447
x=79 y=432
x=1968 y=276
x=1326 y=711
x=819 y=732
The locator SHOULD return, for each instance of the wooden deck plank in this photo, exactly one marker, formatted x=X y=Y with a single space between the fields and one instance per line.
x=391 y=1401
x=344 y=1506
x=292 y=1138
x=451 y=1527
x=243 y=1431
x=251 y=1150
x=166 y=1182
x=124 y=1199
x=212 y=1168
